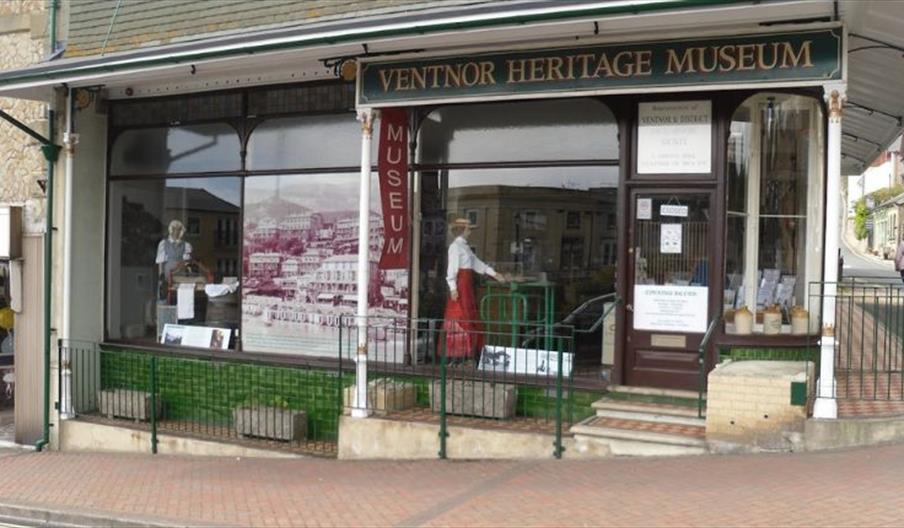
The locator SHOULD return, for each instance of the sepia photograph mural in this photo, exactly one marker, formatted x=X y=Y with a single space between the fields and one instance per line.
x=300 y=263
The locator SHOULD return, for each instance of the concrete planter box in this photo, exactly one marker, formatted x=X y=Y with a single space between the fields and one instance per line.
x=475 y=398
x=383 y=396
x=270 y=422
x=126 y=403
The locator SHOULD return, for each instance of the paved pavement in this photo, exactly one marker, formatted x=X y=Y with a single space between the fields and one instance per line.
x=843 y=488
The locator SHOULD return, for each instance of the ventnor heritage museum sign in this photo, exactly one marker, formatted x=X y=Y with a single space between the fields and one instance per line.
x=787 y=58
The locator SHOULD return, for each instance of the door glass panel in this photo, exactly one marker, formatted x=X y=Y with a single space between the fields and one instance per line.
x=671 y=245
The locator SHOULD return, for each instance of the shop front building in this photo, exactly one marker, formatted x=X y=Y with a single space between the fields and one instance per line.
x=256 y=246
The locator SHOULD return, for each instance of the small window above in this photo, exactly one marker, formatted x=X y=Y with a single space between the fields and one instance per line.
x=565 y=129
x=174 y=150
x=318 y=141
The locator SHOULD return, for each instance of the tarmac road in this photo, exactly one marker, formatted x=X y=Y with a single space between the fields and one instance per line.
x=866 y=266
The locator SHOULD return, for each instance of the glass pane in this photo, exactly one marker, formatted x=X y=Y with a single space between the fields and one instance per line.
x=735 y=245
x=307 y=142
x=565 y=129
x=673 y=250
x=770 y=152
x=173 y=258
x=784 y=158
x=550 y=230
x=174 y=150
x=782 y=258
x=300 y=264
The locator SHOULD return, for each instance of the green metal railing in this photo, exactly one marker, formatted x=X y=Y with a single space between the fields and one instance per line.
x=869 y=336
x=488 y=374
x=255 y=402
x=701 y=361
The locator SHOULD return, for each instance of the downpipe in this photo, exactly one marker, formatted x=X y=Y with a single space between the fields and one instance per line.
x=51 y=153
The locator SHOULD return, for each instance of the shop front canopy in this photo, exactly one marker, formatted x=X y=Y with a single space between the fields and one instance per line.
x=311 y=51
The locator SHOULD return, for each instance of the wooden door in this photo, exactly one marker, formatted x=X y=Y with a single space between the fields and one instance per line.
x=670 y=270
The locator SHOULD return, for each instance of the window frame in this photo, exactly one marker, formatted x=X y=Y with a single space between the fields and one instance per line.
x=812 y=271
x=244 y=126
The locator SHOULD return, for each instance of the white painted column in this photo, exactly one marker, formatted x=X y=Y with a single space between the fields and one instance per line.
x=69 y=141
x=359 y=407
x=826 y=406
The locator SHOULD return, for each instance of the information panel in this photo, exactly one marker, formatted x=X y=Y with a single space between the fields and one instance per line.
x=674 y=137
x=671 y=308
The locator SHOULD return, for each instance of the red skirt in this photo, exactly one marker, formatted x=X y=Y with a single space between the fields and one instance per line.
x=464 y=331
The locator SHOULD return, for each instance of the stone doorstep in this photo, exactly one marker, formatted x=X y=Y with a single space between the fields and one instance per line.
x=651 y=415
x=654 y=391
x=592 y=427
x=662 y=409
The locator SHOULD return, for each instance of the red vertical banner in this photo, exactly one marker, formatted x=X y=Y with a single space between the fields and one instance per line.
x=393 y=169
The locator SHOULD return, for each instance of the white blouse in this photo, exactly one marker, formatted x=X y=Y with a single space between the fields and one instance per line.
x=461 y=257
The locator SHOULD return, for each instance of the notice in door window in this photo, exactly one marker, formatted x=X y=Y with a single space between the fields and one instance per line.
x=644 y=208
x=674 y=137
x=670 y=308
x=670 y=238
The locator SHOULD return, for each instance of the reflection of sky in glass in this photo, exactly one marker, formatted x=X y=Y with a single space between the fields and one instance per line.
x=228 y=189
x=318 y=192
x=579 y=178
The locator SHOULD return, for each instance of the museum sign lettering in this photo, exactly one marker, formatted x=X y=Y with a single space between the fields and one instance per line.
x=786 y=58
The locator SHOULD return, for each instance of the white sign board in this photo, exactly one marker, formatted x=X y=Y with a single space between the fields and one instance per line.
x=196 y=336
x=670 y=238
x=673 y=210
x=674 y=137
x=644 y=208
x=671 y=308
x=524 y=361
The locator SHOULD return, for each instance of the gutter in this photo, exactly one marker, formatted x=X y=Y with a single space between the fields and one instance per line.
x=51 y=153
x=352 y=35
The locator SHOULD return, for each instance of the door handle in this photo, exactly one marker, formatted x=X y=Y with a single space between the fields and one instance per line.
x=629 y=307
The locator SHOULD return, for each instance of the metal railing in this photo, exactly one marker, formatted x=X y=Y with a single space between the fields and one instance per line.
x=489 y=374
x=256 y=402
x=869 y=337
x=701 y=361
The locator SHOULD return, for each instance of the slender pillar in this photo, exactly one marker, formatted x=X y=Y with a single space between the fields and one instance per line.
x=826 y=406
x=359 y=408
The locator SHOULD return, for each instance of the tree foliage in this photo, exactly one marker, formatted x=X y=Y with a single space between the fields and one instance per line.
x=861 y=212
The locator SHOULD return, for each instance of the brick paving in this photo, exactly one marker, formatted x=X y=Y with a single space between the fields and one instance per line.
x=843 y=488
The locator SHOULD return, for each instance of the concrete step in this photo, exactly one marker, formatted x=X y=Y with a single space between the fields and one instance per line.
x=655 y=391
x=640 y=437
x=645 y=407
x=651 y=416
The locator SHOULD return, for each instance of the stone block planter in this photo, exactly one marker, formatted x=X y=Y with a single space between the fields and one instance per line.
x=476 y=398
x=270 y=422
x=126 y=403
x=383 y=396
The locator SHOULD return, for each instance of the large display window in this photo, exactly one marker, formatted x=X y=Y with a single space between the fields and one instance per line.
x=527 y=193
x=773 y=215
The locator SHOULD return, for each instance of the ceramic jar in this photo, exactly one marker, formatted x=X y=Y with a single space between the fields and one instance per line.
x=772 y=320
x=743 y=321
x=800 y=321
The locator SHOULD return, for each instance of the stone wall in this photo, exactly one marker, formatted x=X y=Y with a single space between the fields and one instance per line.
x=23 y=42
x=756 y=403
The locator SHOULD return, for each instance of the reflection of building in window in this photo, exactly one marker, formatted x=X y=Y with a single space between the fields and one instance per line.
x=193 y=226
x=205 y=216
x=530 y=238
x=573 y=220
